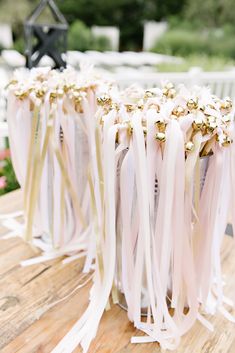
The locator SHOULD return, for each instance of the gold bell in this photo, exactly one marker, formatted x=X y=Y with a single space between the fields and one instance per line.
x=169 y=90
x=165 y=91
x=202 y=108
x=227 y=104
x=227 y=141
x=149 y=94
x=66 y=88
x=211 y=127
x=169 y=85
x=160 y=136
x=130 y=107
x=192 y=104
x=53 y=96
x=129 y=126
x=189 y=146
x=21 y=94
x=211 y=119
x=40 y=93
x=204 y=129
x=77 y=97
x=140 y=104
x=99 y=100
x=160 y=124
x=104 y=99
x=154 y=106
x=145 y=131
x=178 y=111
x=114 y=106
x=197 y=124
x=211 y=106
x=171 y=93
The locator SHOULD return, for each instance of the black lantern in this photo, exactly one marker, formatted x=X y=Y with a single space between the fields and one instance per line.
x=45 y=39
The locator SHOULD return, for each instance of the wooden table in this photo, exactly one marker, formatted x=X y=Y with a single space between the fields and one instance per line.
x=29 y=325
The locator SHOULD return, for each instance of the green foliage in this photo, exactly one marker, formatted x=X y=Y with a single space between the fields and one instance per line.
x=80 y=38
x=19 y=45
x=104 y=12
x=210 y=13
x=184 y=42
x=182 y=23
x=180 y=42
x=7 y=171
x=128 y=15
x=101 y=43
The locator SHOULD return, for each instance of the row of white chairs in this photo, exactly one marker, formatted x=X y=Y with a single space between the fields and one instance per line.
x=109 y=58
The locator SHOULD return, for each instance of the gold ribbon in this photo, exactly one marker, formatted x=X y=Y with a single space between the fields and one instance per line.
x=30 y=155
x=35 y=166
x=37 y=163
x=96 y=227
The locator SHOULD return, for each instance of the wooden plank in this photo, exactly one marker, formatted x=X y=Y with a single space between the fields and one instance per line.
x=13 y=201
x=29 y=325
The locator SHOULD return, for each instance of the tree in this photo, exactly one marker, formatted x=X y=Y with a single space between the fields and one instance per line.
x=128 y=15
x=210 y=13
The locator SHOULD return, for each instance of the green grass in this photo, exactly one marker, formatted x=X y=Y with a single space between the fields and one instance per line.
x=207 y=63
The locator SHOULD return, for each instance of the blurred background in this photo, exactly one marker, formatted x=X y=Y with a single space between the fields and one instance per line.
x=201 y=32
x=143 y=41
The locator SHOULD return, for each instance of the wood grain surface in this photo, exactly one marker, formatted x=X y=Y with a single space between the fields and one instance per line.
x=29 y=323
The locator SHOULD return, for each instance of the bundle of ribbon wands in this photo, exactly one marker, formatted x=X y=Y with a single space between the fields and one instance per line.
x=139 y=182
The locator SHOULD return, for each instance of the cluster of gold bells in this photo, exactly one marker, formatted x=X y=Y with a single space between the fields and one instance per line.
x=74 y=93
x=204 y=120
